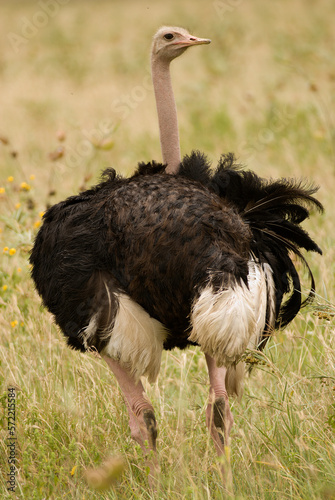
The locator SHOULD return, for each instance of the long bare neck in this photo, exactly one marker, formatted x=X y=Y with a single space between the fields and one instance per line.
x=167 y=114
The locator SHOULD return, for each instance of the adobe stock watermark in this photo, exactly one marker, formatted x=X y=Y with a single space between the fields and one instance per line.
x=29 y=27
x=126 y=103
x=100 y=137
x=223 y=7
x=11 y=439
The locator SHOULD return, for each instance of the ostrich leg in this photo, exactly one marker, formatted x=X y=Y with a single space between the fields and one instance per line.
x=142 y=420
x=219 y=418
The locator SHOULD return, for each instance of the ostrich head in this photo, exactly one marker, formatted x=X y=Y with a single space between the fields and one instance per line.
x=170 y=42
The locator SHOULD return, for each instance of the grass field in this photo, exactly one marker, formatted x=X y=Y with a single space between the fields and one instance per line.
x=75 y=98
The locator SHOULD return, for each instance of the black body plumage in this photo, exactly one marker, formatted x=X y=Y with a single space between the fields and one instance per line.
x=159 y=237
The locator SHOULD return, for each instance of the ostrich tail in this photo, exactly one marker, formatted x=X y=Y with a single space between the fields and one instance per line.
x=274 y=211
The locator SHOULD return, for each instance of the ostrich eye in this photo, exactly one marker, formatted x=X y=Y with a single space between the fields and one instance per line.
x=168 y=36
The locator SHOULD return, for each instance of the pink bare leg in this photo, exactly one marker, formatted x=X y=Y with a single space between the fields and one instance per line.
x=219 y=418
x=142 y=420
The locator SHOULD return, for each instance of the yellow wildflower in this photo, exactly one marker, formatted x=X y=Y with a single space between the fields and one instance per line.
x=14 y=323
x=41 y=214
x=12 y=251
x=4 y=287
x=17 y=206
x=32 y=177
x=73 y=470
x=24 y=186
x=37 y=224
x=10 y=178
x=19 y=269
x=2 y=190
x=5 y=250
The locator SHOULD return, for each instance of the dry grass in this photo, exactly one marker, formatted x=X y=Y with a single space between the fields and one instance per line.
x=264 y=89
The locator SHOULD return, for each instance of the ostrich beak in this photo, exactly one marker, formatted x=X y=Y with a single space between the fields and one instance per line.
x=198 y=41
x=193 y=40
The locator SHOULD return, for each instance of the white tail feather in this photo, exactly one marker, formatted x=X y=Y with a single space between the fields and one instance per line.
x=223 y=322
x=227 y=322
x=136 y=340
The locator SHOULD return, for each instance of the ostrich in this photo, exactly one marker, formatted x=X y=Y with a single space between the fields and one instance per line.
x=177 y=254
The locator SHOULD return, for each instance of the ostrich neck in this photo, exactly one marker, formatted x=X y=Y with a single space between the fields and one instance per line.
x=167 y=114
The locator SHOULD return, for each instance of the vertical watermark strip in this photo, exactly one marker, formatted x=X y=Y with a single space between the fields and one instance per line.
x=11 y=439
